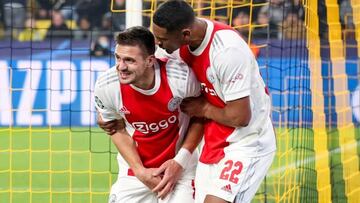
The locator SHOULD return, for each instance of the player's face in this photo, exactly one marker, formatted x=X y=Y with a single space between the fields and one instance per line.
x=168 y=41
x=133 y=66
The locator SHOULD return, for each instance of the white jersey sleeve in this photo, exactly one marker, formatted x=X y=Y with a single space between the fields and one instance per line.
x=233 y=65
x=193 y=85
x=182 y=79
x=161 y=53
x=107 y=95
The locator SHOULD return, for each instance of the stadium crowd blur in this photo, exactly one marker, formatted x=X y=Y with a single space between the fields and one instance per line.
x=38 y=20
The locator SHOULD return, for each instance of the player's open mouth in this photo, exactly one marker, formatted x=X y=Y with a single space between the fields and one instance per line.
x=124 y=75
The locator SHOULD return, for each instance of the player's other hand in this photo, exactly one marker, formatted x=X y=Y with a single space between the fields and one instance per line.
x=145 y=175
x=194 y=106
x=110 y=127
x=171 y=171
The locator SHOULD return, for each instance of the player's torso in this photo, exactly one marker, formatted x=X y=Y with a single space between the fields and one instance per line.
x=215 y=134
x=218 y=137
x=202 y=67
x=155 y=120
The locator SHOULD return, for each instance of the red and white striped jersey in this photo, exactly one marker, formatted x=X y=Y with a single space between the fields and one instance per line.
x=152 y=117
x=227 y=70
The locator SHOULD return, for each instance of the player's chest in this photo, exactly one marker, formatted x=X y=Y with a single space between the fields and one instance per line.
x=138 y=107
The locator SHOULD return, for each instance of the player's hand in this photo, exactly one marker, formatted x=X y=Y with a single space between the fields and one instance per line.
x=194 y=106
x=145 y=175
x=110 y=127
x=171 y=171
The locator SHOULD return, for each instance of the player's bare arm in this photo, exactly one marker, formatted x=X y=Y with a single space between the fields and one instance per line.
x=194 y=135
x=236 y=113
x=127 y=148
x=173 y=168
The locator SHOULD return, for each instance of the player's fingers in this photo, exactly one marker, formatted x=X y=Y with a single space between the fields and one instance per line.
x=159 y=170
x=164 y=192
x=186 y=100
x=102 y=124
x=116 y=124
x=109 y=123
x=161 y=185
x=111 y=132
x=120 y=124
x=183 y=107
x=100 y=121
x=106 y=127
x=172 y=188
x=109 y=126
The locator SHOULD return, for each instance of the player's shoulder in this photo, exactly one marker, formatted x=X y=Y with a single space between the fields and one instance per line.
x=107 y=78
x=229 y=44
x=176 y=69
x=227 y=38
x=181 y=79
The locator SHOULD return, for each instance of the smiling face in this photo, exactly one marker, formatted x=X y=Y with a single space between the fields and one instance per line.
x=169 y=41
x=133 y=65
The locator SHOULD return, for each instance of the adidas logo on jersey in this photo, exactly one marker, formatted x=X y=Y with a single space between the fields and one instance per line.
x=124 y=110
x=227 y=188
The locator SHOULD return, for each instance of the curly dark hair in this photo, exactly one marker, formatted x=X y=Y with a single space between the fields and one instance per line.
x=174 y=15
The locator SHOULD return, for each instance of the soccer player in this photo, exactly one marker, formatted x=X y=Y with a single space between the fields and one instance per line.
x=239 y=137
x=145 y=92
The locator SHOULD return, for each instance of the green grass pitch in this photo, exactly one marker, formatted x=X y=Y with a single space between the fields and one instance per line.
x=79 y=165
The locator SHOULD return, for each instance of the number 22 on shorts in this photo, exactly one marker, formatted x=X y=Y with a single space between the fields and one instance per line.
x=231 y=171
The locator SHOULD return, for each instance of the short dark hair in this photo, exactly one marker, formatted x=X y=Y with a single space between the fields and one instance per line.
x=139 y=36
x=174 y=15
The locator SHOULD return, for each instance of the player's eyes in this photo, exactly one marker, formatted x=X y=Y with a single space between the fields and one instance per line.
x=161 y=39
x=129 y=61
x=125 y=60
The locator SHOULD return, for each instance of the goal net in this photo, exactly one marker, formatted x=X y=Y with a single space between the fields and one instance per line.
x=51 y=149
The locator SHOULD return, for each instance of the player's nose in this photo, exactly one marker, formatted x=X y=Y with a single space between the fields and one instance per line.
x=121 y=65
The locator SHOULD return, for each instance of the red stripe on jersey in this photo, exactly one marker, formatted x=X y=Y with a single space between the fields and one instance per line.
x=156 y=127
x=215 y=134
x=193 y=187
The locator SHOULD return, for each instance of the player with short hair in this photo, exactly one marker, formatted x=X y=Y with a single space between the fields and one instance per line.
x=145 y=92
x=239 y=137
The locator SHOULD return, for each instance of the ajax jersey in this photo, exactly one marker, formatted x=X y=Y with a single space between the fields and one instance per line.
x=152 y=117
x=227 y=70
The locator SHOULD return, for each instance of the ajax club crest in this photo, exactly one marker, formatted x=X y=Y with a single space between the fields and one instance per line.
x=174 y=103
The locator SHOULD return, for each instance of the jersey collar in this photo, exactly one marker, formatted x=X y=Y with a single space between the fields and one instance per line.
x=205 y=42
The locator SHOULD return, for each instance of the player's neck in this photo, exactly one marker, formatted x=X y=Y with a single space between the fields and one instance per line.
x=148 y=81
x=199 y=32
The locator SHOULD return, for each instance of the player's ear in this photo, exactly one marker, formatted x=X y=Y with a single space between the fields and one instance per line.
x=186 y=33
x=150 y=60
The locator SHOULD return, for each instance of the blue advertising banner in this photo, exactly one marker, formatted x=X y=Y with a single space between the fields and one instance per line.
x=58 y=92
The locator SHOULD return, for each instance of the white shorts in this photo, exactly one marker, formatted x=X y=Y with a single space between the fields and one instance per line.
x=234 y=178
x=129 y=189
